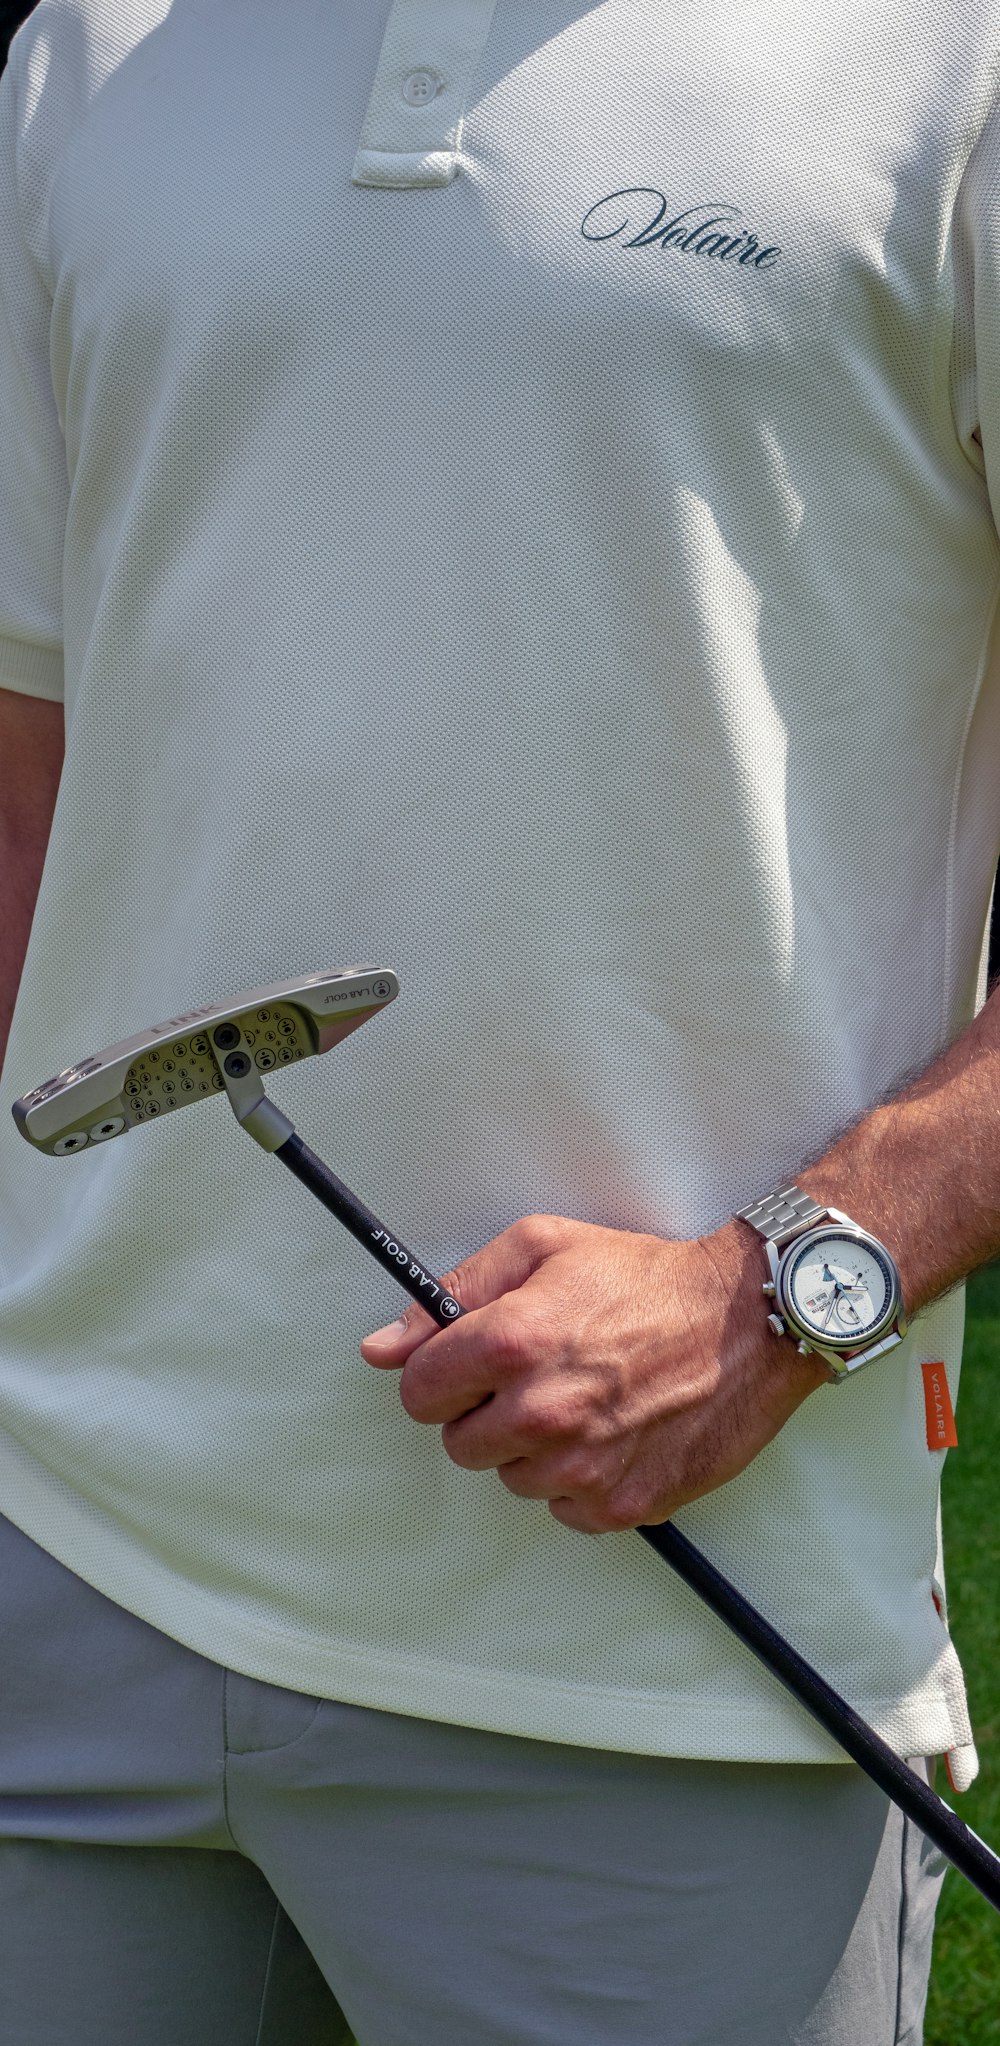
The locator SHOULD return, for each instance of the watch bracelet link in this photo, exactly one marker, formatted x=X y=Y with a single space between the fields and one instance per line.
x=780 y=1216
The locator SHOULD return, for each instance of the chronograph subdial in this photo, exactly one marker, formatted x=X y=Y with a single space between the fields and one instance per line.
x=840 y=1293
x=838 y=1289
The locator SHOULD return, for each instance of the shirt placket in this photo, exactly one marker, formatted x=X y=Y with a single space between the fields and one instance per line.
x=412 y=130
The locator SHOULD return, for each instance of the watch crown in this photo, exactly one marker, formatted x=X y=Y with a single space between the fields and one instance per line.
x=768 y=1288
x=776 y=1324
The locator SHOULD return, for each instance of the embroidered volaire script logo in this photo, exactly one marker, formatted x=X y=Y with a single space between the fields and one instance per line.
x=636 y=218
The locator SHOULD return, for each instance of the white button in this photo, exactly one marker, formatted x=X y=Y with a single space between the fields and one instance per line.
x=420 y=87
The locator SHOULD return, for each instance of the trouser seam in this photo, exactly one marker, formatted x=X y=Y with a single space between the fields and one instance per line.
x=225 y=1761
x=259 y=2037
x=901 y=1932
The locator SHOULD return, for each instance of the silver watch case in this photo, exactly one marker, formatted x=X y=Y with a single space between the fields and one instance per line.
x=842 y=1356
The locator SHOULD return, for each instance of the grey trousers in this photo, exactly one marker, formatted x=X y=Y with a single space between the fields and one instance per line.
x=191 y=1858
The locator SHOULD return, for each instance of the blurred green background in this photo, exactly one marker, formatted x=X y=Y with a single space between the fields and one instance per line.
x=964 y=2004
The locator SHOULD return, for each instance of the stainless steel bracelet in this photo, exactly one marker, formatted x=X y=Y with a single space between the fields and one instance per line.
x=780 y=1216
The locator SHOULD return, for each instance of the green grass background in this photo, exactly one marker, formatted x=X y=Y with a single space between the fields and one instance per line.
x=964 y=2004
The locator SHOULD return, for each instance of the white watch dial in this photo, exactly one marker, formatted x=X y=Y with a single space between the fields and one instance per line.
x=840 y=1289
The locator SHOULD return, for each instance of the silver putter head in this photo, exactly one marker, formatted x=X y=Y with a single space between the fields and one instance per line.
x=227 y=1048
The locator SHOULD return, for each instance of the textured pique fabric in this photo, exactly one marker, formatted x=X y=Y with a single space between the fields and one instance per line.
x=177 y=1842
x=571 y=585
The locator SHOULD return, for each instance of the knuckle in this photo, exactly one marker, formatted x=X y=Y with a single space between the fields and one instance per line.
x=542 y=1421
x=580 y=1471
x=413 y=1396
x=570 y=1513
x=515 y=1346
x=623 y=1510
x=517 y=1479
x=458 y=1448
x=407 y=1400
x=541 y=1234
x=616 y=1520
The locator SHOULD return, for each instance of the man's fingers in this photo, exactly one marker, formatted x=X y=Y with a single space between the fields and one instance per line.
x=494 y=1434
x=389 y=1347
x=498 y=1268
x=589 y=1509
x=459 y=1371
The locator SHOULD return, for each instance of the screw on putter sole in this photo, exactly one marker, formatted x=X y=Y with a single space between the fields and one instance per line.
x=227 y=1048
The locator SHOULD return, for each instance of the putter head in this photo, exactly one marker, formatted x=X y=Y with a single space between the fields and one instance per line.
x=182 y=1060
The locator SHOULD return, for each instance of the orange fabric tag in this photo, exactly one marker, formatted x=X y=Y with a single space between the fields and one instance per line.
x=941 y=1430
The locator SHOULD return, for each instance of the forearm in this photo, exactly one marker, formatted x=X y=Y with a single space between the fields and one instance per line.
x=30 y=765
x=923 y=1172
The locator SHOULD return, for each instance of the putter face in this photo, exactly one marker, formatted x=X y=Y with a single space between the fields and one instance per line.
x=181 y=1061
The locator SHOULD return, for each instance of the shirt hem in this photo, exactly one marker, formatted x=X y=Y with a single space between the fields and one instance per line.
x=529 y=1707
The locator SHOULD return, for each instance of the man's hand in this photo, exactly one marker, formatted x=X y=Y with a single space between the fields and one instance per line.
x=617 y=1376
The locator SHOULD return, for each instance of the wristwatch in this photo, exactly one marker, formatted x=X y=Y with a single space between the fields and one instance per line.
x=835 y=1286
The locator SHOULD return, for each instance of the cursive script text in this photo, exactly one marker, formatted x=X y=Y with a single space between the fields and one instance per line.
x=713 y=230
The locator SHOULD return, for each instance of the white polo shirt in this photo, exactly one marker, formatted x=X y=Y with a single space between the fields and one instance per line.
x=500 y=486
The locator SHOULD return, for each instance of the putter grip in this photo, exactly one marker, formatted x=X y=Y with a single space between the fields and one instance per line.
x=377 y=1239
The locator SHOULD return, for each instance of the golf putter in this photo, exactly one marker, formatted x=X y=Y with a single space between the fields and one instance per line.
x=227 y=1049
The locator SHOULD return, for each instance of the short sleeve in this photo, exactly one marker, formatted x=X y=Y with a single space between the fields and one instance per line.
x=33 y=476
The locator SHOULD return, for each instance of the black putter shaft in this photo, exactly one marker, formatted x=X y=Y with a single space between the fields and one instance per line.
x=900 y=1783
x=936 y=1819
x=378 y=1240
